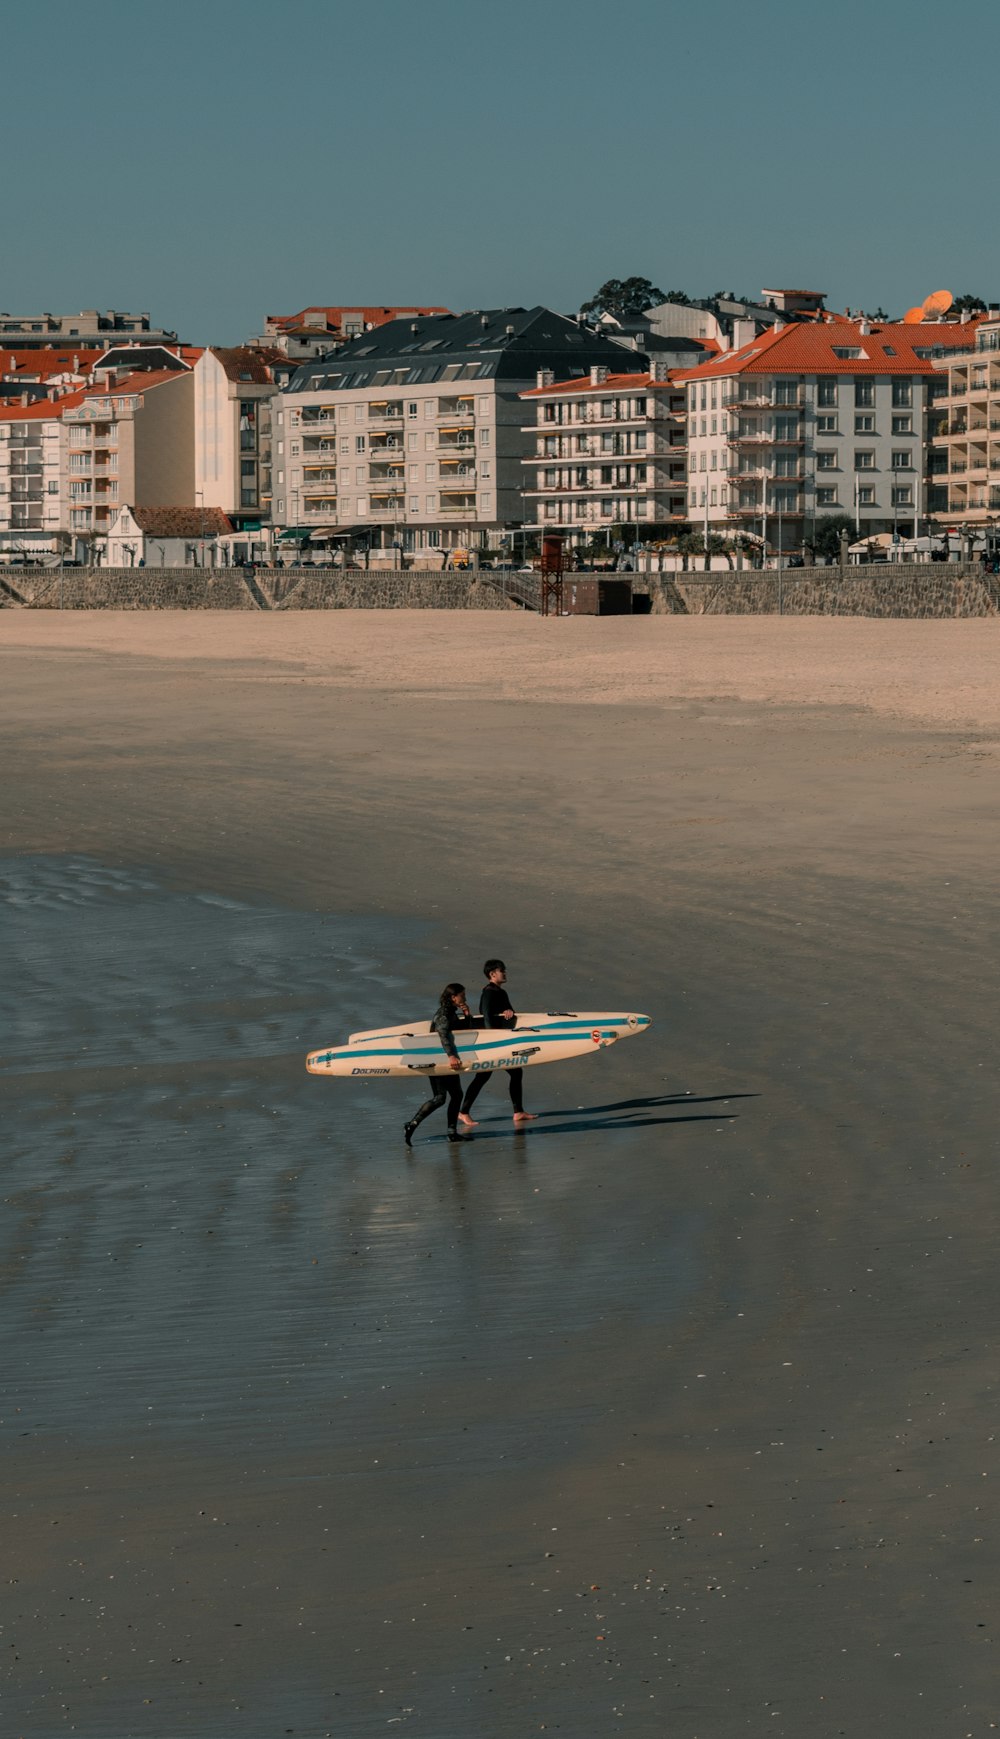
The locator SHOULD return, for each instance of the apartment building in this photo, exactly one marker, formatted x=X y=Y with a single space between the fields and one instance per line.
x=91 y=329
x=412 y=435
x=317 y=331
x=234 y=390
x=812 y=419
x=609 y=450
x=964 y=456
x=32 y=476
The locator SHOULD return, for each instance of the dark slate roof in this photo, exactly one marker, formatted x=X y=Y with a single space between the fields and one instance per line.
x=503 y=343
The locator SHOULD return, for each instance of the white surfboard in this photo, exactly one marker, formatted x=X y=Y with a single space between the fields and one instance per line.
x=415 y=1049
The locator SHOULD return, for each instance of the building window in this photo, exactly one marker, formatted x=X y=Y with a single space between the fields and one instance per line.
x=359 y=443
x=411 y=410
x=864 y=425
x=247 y=467
x=902 y=461
x=484 y=470
x=903 y=496
x=902 y=394
x=902 y=425
x=430 y=408
x=864 y=394
x=826 y=425
x=248 y=497
x=486 y=504
x=345 y=445
x=429 y=503
x=866 y=497
x=430 y=473
x=484 y=437
x=414 y=504
x=826 y=461
x=826 y=392
x=826 y=498
x=864 y=460
x=713 y=500
x=362 y=507
x=359 y=413
x=53 y=488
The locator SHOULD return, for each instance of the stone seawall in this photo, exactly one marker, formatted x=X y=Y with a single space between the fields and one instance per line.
x=229 y=589
x=905 y=590
x=917 y=590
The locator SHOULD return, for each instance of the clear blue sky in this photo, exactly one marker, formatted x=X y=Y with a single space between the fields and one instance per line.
x=217 y=160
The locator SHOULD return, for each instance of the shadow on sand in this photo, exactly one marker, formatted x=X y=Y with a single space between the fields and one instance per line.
x=592 y=1118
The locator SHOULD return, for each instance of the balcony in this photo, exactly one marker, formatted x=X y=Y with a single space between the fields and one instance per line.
x=320 y=506
x=309 y=418
x=462 y=410
x=457 y=476
x=385 y=411
x=319 y=444
x=385 y=443
x=313 y=474
x=457 y=444
x=465 y=504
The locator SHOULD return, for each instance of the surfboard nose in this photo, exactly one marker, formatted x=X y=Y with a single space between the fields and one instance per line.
x=643 y=1020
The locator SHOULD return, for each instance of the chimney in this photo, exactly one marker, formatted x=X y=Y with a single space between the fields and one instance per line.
x=659 y=371
x=545 y=377
x=26 y=398
x=76 y=364
x=864 y=327
x=598 y=375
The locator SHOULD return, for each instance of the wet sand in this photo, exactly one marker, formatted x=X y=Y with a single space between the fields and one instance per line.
x=674 y=1413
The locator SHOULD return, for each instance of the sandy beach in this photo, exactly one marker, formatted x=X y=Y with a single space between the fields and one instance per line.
x=673 y=1414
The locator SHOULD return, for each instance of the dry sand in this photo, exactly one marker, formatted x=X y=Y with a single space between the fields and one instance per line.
x=945 y=672
x=675 y=1414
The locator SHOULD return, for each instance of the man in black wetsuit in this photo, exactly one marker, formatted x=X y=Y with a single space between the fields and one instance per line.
x=497 y=1011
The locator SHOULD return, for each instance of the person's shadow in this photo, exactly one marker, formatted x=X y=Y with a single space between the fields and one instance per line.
x=594 y=1117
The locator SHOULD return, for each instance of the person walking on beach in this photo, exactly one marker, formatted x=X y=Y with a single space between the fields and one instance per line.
x=451 y=1016
x=497 y=1011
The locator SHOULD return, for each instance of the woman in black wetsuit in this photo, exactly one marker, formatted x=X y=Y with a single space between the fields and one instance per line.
x=452 y=1015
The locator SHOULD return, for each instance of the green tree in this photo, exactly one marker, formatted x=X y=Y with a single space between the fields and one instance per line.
x=969 y=304
x=624 y=298
x=826 y=538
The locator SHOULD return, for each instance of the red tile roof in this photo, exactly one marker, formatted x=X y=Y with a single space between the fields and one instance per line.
x=140 y=381
x=613 y=383
x=333 y=318
x=44 y=362
x=181 y=521
x=810 y=349
x=14 y=411
x=248 y=364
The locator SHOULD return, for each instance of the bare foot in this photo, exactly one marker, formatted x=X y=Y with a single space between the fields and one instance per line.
x=525 y=1116
x=470 y=1122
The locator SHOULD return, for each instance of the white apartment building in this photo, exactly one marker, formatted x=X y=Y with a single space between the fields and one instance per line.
x=813 y=419
x=67 y=462
x=234 y=390
x=964 y=462
x=32 y=474
x=412 y=435
x=608 y=450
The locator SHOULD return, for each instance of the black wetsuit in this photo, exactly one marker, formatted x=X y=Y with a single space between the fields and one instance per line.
x=492 y=1003
x=446 y=1021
